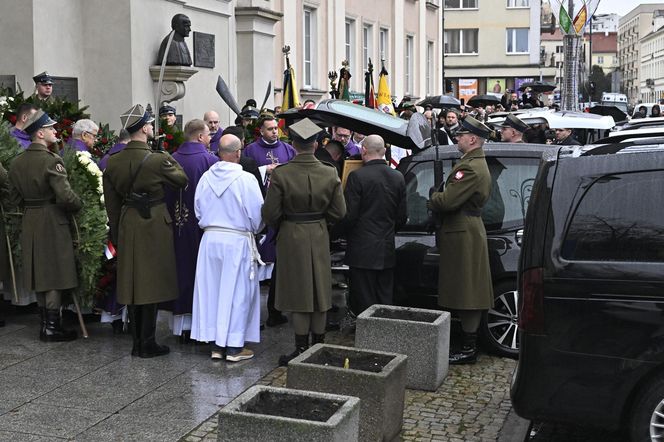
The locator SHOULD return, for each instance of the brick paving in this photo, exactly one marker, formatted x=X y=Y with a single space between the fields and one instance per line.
x=471 y=404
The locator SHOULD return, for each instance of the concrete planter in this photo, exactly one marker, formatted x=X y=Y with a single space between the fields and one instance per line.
x=377 y=378
x=422 y=335
x=261 y=414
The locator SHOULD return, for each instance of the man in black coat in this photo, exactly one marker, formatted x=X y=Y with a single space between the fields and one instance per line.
x=376 y=207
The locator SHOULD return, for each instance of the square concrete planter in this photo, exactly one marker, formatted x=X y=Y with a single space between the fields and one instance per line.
x=377 y=378
x=422 y=335
x=265 y=414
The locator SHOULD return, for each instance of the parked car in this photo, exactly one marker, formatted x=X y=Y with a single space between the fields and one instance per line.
x=513 y=168
x=591 y=280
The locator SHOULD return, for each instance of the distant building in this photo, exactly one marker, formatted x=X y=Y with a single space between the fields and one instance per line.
x=651 y=81
x=605 y=23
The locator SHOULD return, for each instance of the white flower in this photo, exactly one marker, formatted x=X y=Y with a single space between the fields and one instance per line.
x=10 y=99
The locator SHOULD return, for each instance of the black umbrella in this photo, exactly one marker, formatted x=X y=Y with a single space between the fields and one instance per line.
x=440 y=102
x=605 y=109
x=412 y=134
x=538 y=86
x=483 y=100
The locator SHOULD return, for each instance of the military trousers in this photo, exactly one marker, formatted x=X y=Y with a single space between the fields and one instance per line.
x=51 y=300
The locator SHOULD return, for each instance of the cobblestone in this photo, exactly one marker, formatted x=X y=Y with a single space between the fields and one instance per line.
x=470 y=405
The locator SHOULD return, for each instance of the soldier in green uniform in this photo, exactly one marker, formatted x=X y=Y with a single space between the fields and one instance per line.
x=141 y=229
x=43 y=86
x=512 y=129
x=304 y=196
x=39 y=184
x=464 y=283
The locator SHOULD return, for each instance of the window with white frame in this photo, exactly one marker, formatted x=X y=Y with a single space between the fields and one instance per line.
x=383 y=41
x=461 y=4
x=409 y=64
x=461 y=41
x=350 y=43
x=367 y=45
x=430 y=64
x=518 y=3
x=309 y=45
x=517 y=40
x=600 y=59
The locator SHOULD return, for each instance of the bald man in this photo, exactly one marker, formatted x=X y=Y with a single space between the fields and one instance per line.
x=376 y=207
x=211 y=118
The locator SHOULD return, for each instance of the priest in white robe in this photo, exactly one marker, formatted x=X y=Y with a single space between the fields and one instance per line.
x=226 y=308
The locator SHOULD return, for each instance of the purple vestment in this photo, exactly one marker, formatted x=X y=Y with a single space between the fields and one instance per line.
x=76 y=144
x=113 y=150
x=22 y=137
x=214 y=140
x=195 y=160
x=260 y=151
x=352 y=149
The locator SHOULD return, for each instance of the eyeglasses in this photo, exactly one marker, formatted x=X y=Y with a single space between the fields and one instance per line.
x=95 y=136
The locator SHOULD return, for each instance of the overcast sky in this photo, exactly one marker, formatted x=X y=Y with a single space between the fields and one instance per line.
x=620 y=7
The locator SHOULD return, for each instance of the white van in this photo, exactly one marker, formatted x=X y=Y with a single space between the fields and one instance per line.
x=615 y=99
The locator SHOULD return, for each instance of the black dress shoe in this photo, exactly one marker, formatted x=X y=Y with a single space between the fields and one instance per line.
x=276 y=319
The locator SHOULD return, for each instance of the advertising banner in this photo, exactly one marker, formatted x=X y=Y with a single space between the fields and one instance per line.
x=467 y=88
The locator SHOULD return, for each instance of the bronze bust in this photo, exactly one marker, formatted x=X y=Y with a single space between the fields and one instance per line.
x=178 y=53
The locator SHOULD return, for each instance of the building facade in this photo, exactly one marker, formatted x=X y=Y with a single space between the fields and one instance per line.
x=651 y=82
x=491 y=46
x=631 y=29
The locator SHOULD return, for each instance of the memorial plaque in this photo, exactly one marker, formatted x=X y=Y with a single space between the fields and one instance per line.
x=203 y=50
x=8 y=82
x=66 y=87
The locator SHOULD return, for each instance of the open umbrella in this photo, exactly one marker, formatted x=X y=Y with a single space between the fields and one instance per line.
x=603 y=109
x=538 y=86
x=412 y=134
x=440 y=102
x=483 y=100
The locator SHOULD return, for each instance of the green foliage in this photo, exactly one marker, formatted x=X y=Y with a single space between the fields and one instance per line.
x=173 y=136
x=90 y=231
x=10 y=149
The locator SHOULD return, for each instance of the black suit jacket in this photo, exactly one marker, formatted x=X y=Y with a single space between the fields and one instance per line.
x=376 y=207
x=249 y=165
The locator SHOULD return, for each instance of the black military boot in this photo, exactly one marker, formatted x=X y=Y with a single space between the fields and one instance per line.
x=148 y=322
x=133 y=311
x=53 y=331
x=317 y=339
x=301 y=345
x=42 y=323
x=468 y=352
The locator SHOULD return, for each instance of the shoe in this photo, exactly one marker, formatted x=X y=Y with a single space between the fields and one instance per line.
x=244 y=354
x=317 y=339
x=348 y=323
x=301 y=345
x=276 y=319
x=468 y=352
x=52 y=330
x=342 y=285
x=148 y=324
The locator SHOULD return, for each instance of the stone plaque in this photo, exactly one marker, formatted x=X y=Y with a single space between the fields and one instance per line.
x=203 y=50
x=8 y=82
x=66 y=87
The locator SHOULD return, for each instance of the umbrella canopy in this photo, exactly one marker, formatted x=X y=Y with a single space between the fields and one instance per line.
x=483 y=100
x=412 y=134
x=538 y=86
x=441 y=102
x=613 y=111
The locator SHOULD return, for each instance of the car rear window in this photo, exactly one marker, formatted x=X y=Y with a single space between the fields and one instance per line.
x=619 y=218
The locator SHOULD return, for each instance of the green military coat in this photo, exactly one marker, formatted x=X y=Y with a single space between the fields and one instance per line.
x=464 y=281
x=38 y=182
x=303 y=185
x=145 y=250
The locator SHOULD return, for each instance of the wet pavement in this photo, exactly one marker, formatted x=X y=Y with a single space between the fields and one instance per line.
x=93 y=390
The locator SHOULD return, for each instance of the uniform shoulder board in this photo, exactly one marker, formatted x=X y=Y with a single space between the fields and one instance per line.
x=327 y=163
x=53 y=153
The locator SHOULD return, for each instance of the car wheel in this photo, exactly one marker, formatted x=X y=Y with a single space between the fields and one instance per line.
x=647 y=418
x=499 y=327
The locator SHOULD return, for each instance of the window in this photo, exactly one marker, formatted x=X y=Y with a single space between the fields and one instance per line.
x=518 y=3
x=430 y=64
x=517 y=40
x=461 y=41
x=419 y=179
x=611 y=224
x=409 y=64
x=559 y=49
x=309 y=48
x=600 y=59
x=461 y=4
x=367 y=45
x=350 y=43
x=384 y=49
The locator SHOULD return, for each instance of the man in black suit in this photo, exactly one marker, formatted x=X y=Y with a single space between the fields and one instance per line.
x=376 y=207
x=248 y=164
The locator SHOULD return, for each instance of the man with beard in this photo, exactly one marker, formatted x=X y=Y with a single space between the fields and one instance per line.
x=134 y=182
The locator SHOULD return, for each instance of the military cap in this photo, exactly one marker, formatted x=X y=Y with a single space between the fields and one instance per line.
x=36 y=121
x=304 y=131
x=471 y=125
x=515 y=123
x=43 y=78
x=249 y=112
x=135 y=118
x=166 y=109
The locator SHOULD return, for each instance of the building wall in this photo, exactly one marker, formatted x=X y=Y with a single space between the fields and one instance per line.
x=651 y=85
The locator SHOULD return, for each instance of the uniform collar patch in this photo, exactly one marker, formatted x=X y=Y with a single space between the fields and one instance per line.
x=458 y=175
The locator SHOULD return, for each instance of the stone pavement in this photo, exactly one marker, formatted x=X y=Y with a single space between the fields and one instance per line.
x=93 y=390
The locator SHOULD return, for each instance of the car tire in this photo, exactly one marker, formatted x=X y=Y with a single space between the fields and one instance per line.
x=499 y=327
x=647 y=412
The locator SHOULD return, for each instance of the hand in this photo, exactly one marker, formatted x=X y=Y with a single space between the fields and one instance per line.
x=269 y=168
